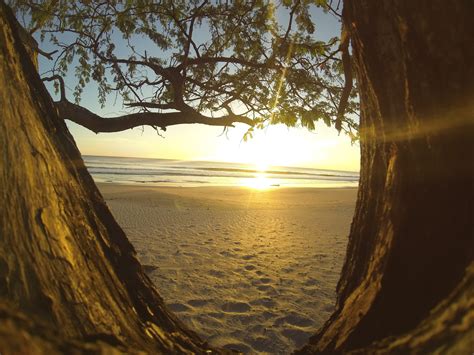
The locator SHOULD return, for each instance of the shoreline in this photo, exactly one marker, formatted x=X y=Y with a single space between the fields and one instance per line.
x=159 y=172
x=103 y=186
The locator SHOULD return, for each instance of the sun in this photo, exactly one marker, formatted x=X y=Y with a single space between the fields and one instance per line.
x=261 y=165
x=259 y=182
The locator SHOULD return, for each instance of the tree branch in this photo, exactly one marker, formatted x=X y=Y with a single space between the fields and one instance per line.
x=61 y=84
x=233 y=60
x=96 y=123
x=290 y=20
x=145 y=104
x=346 y=62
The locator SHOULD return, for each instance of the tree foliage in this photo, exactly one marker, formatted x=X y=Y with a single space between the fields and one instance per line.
x=254 y=62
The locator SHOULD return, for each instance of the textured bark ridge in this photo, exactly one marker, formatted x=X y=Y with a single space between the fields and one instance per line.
x=411 y=240
x=69 y=279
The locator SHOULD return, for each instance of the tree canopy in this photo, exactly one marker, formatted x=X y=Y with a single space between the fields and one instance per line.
x=199 y=61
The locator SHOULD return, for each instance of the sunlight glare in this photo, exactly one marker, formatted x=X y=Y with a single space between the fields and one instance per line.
x=259 y=182
x=261 y=166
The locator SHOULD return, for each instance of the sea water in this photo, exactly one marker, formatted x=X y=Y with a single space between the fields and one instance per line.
x=169 y=172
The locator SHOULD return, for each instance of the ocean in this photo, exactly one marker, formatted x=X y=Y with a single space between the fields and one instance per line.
x=169 y=172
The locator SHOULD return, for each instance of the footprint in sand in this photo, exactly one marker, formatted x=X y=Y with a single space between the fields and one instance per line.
x=239 y=347
x=149 y=268
x=265 y=302
x=328 y=308
x=249 y=267
x=297 y=336
x=262 y=281
x=242 y=318
x=216 y=273
x=217 y=315
x=261 y=344
x=178 y=307
x=248 y=257
x=236 y=307
x=230 y=343
x=269 y=290
x=294 y=319
x=258 y=328
x=197 y=303
x=189 y=253
x=311 y=291
x=265 y=280
x=227 y=253
x=267 y=315
x=311 y=282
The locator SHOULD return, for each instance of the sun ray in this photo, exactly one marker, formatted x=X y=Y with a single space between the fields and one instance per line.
x=282 y=79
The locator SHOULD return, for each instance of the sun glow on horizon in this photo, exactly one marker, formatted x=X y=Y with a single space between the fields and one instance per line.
x=261 y=166
x=272 y=147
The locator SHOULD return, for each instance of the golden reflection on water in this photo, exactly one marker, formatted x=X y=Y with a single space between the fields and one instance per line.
x=259 y=182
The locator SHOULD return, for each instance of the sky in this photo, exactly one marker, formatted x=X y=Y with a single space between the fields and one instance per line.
x=275 y=145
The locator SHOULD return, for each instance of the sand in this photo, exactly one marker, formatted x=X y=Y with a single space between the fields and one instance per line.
x=254 y=271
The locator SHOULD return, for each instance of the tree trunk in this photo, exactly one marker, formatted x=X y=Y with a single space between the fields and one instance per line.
x=411 y=239
x=69 y=278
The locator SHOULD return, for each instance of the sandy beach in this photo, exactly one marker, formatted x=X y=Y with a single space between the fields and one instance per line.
x=250 y=270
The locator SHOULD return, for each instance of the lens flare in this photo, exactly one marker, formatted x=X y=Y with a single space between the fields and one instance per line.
x=259 y=182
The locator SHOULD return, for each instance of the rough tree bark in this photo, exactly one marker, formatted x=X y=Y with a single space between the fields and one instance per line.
x=412 y=238
x=69 y=279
